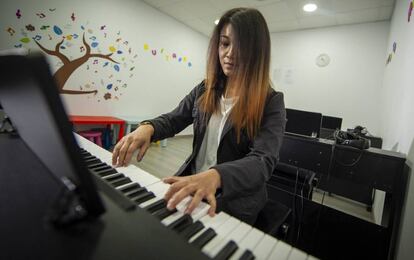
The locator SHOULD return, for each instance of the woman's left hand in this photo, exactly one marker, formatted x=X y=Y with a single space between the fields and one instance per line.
x=202 y=186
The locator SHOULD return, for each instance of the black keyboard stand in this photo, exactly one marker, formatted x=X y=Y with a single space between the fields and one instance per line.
x=67 y=209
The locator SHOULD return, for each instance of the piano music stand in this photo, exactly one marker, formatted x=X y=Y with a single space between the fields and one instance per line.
x=31 y=99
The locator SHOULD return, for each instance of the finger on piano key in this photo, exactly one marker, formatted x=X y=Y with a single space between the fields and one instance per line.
x=264 y=247
x=230 y=225
x=237 y=235
x=199 y=212
x=249 y=242
x=297 y=254
x=281 y=251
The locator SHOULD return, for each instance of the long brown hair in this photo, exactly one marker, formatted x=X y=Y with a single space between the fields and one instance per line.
x=250 y=77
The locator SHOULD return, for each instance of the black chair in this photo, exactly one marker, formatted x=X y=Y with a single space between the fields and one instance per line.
x=286 y=183
x=272 y=219
x=294 y=180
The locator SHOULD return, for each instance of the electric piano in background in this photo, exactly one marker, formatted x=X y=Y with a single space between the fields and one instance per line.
x=354 y=174
x=141 y=230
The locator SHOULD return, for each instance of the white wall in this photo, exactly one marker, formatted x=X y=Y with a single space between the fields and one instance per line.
x=348 y=87
x=397 y=111
x=157 y=85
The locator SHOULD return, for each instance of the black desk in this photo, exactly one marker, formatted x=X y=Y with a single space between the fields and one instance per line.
x=354 y=174
x=26 y=193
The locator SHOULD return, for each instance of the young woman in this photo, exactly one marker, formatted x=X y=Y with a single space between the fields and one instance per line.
x=238 y=121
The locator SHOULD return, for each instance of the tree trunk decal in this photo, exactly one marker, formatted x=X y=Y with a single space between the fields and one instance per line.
x=69 y=66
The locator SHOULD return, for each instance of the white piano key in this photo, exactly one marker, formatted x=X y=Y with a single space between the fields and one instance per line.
x=236 y=235
x=248 y=242
x=158 y=188
x=182 y=205
x=213 y=222
x=173 y=217
x=199 y=212
x=311 y=258
x=297 y=254
x=137 y=175
x=94 y=149
x=222 y=232
x=264 y=247
x=252 y=239
x=123 y=185
x=281 y=251
x=219 y=220
x=206 y=219
x=148 y=202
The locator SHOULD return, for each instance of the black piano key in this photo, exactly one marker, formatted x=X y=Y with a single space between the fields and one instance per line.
x=121 y=181
x=85 y=153
x=129 y=187
x=101 y=168
x=115 y=195
x=88 y=157
x=247 y=255
x=226 y=251
x=144 y=197
x=192 y=230
x=204 y=238
x=159 y=204
x=96 y=165
x=92 y=161
x=112 y=177
x=135 y=192
x=163 y=213
x=105 y=172
x=180 y=224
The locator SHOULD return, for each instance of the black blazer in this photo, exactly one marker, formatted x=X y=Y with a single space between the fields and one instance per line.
x=244 y=167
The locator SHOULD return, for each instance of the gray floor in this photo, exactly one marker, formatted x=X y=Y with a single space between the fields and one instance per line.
x=165 y=161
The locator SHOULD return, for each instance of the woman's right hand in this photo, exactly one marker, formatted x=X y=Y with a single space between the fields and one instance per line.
x=139 y=139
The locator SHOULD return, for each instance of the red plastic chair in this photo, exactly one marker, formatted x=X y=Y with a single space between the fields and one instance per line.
x=93 y=136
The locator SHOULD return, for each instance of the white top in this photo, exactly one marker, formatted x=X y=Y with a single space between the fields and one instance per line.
x=207 y=156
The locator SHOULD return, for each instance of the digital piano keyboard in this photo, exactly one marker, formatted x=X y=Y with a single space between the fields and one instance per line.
x=218 y=237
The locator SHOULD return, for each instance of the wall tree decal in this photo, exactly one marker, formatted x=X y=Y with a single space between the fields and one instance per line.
x=69 y=66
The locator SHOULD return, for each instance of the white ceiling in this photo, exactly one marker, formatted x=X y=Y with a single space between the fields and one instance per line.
x=281 y=15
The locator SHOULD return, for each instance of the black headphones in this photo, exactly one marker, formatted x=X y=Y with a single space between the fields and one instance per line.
x=352 y=138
